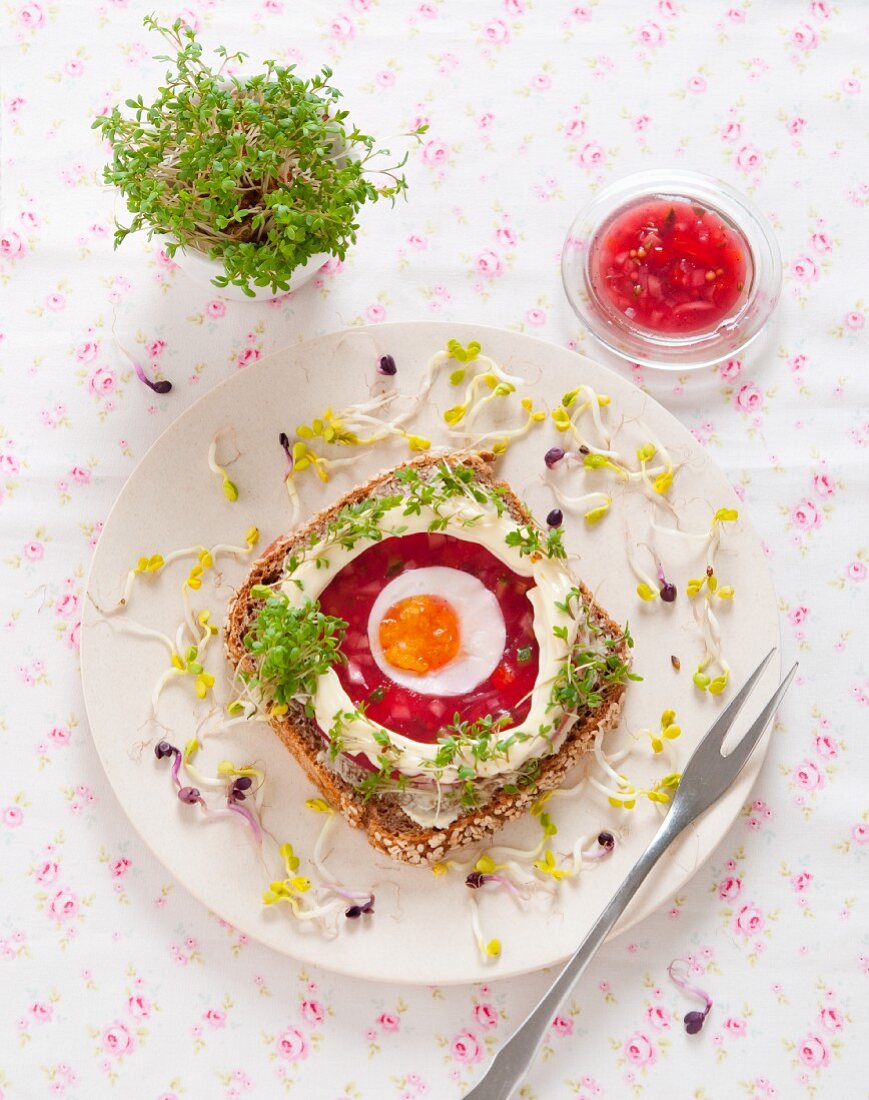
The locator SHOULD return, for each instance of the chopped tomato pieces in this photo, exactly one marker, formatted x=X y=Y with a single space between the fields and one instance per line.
x=670 y=266
x=351 y=593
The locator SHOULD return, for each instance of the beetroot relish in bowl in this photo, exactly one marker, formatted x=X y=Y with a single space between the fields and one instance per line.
x=672 y=269
x=350 y=595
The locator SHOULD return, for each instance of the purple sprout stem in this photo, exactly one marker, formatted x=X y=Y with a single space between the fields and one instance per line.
x=693 y=1020
x=597 y=852
x=249 y=816
x=176 y=767
x=157 y=387
x=284 y=441
x=509 y=886
x=234 y=812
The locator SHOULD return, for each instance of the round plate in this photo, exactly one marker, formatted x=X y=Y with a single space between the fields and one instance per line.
x=421 y=930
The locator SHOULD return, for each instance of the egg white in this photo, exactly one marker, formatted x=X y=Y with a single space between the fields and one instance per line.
x=482 y=631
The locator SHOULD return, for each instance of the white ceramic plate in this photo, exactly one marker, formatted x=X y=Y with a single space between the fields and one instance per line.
x=420 y=932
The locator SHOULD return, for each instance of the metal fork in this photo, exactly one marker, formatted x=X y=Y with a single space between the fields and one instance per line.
x=707 y=776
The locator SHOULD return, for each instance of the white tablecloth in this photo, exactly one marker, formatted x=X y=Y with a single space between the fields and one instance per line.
x=114 y=980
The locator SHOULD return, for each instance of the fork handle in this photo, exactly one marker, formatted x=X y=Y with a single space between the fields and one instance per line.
x=516 y=1055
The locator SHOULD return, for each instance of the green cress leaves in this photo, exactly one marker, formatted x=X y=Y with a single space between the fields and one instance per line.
x=261 y=174
x=292 y=647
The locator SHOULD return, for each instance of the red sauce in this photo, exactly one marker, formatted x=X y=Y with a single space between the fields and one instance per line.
x=351 y=594
x=671 y=267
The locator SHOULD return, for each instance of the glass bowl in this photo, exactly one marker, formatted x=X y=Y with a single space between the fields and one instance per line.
x=621 y=329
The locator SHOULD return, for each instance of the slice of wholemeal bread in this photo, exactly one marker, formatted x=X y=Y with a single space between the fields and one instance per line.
x=388 y=827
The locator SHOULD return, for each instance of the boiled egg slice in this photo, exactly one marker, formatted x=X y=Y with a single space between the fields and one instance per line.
x=437 y=630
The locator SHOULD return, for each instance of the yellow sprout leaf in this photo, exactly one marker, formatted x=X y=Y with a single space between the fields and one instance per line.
x=289 y=857
x=537 y=808
x=645 y=592
x=464 y=355
x=671 y=732
x=623 y=803
x=657 y=744
x=663 y=482
x=725 y=592
x=486 y=865
x=667 y=717
x=439 y=869
x=493 y=948
x=455 y=414
x=252 y=536
x=177 y=662
x=596 y=514
x=603 y=400
x=457 y=377
x=695 y=584
x=230 y=490
x=561 y=419
x=725 y=515
x=418 y=443
x=319 y=805
x=718 y=685
x=645 y=453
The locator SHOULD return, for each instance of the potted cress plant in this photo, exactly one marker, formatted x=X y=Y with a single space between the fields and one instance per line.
x=255 y=182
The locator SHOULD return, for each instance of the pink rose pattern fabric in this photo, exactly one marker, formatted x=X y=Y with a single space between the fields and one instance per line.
x=115 y=981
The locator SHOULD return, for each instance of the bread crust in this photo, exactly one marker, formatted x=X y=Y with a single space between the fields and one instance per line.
x=388 y=828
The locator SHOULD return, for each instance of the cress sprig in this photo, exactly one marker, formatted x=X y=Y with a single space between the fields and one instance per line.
x=432 y=489
x=260 y=173
x=292 y=647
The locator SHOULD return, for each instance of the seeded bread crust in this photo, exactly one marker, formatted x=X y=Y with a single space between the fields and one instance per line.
x=388 y=828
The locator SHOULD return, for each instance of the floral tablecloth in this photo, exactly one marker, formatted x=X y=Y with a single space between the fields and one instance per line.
x=115 y=981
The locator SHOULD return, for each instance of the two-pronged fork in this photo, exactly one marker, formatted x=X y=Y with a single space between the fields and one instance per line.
x=706 y=777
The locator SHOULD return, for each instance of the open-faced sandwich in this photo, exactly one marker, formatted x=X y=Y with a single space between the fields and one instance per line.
x=425 y=653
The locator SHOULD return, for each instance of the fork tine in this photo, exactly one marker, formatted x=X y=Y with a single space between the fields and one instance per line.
x=721 y=726
x=738 y=756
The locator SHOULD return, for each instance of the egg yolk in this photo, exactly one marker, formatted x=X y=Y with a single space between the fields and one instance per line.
x=420 y=634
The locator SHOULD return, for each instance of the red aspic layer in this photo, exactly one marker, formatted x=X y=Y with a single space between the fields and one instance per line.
x=670 y=267
x=351 y=594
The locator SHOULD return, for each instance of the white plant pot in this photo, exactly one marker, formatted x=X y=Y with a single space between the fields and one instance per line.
x=203 y=269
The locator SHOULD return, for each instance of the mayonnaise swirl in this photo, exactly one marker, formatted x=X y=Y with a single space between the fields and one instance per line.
x=553 y=584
